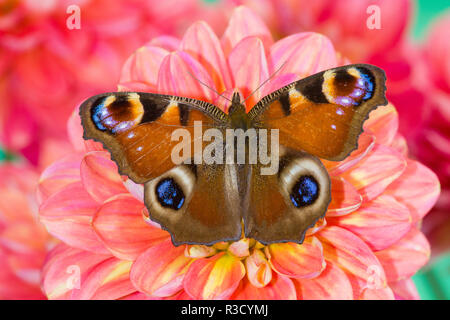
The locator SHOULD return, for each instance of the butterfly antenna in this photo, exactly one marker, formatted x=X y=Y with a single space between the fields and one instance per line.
x=265 y=81
x=212 y=89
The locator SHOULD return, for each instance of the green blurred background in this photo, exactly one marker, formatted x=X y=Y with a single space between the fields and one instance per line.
x=433 y=281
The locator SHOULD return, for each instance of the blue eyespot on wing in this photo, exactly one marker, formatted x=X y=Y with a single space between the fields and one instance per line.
x=169 y=194
x=305 y=192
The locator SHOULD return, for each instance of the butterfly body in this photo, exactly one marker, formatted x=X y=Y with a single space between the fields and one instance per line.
x=271 y=187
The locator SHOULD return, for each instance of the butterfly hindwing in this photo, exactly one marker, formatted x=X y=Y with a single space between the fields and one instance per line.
x=323 y=114
x=281 y=207
x=198 y=204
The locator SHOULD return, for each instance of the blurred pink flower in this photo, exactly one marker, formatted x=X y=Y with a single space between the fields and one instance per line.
x=46 y=67
x=23 y=240
x=432 y=143
x=367 y=247
x=345 y=22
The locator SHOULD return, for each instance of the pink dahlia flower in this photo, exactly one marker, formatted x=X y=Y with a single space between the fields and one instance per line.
x=432 y=143
x=352 y=27
x=23 y=240
x=367 y=247
x=345 y=22
x=46 y=67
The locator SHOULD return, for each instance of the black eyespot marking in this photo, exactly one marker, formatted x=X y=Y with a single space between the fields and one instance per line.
x=120 y=106
x=184 y=113
x=313 y=91
x=152 y=109
x=169 y=194
x=305 y=192
x=344 y=82
x=285 y=104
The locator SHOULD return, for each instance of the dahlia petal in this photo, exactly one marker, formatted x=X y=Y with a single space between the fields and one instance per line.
x=143 y=66
x=168 y=43
x=404 y=258
x=244 y=23
x=26 y=267
x=202 y=44
x=136 y=189
x=135 y=86
x=380 y=222
x=278 y=82
x=295 y=260
x=100 y=177
x=240 y=248
x=52 y=149
x=119 y=224
x=435 y=142
x=58 y=175
x=13 y=288
x=366 y=142
x=400 y=144
x=279 y=288
x=320 y=224
x=160 y=270
x=214 y=278
x=303 y=53
x=377 y=294
x=383 y=124
x=418 y=188
x=108 y=280
x=147 y=220
x=182 y=295
x=68 y=214
x=15 y=207
x=249 y=68
x=373 y=282
x=139 y=296
x=259 y=272
x=367 y=177
x=13 y=285
x=75 y=130
x=21 y=176
x=344 y=199
x=66 y=268
x=178 y=75
x=92 y=145
x=405 y=290
x=351 y=254
x=199 y=251
x=24 y=238
x=331 y=284
x=223 y=245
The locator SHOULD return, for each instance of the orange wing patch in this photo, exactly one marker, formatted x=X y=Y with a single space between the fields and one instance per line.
x=324 y=136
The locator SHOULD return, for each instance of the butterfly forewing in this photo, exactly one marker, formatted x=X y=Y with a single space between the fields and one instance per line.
x=137 y=128
x=323 y=114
